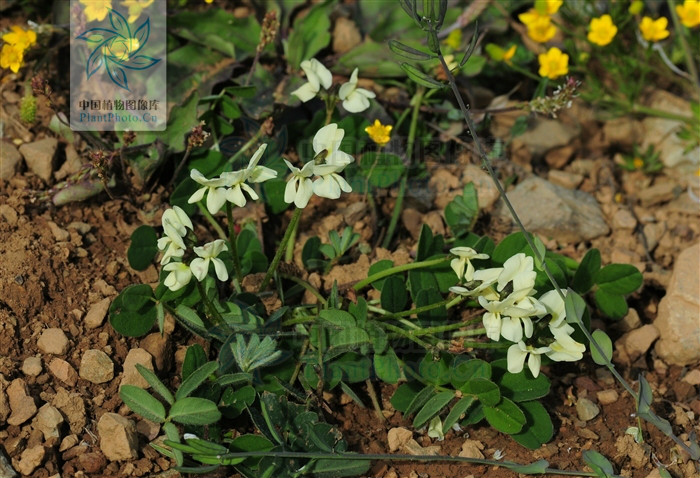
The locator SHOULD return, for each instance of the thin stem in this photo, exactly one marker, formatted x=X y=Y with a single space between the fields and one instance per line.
x=256 y=137
x=182 y=163
x=280 y=249
x=375 y=401
x=205 y=212
x=289 y=253
x=395 y=270
x=214 y=314
x=306 y=286
x=297 y=368
x=398 y=205
x=687 y=52
x=470 y=333
x=234 y=243
x=407 y=335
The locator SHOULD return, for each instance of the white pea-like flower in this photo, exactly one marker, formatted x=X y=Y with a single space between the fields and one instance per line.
x=170 y=248
x=462 y=263
x=180 y=275
x=493 y=318
x=259 y=174
x=354 y=99
x=487 y=279
x=518 y=269
x=299 y=188
x=236 y=180
x=329 y=184
x=215 y=189
x=518 y=352
x=208 y=253
x=327 y=140
x=564 y=348
x=554 y=306
x=317 y=76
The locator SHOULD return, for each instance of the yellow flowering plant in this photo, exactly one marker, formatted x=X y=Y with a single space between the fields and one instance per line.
x=654 y=30
x=689 y=13
x=16 y=42
x=601 y=30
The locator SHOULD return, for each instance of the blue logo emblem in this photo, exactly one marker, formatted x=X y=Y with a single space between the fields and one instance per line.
x=117 y=49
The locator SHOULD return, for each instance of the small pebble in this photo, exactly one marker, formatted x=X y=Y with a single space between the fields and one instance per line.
x=606 y=397
x=586 y=409
x=53 y=341
x=32 y=366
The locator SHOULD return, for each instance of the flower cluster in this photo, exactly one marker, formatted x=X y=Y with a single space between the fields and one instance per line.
x=326 y=165
x=536 y=326
x=96 y=9
x=354 y=99
x=16 y=43
x=539 y=21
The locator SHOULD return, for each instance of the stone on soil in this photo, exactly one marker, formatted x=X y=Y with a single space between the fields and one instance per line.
x=118 y=439
x=9 y=161
x=39 y=156
x=6 y=470
x=160 y=347
x=472 y=449
x=63 y=371
x=32 y=366
x=553 y=211
x=96 y=314
x=131 y=375
x=486 y=191
x=397 y=437
x=30 y=459
x=635 y=343
x=4 y=404
x=53 y=341
x=678 y=318
x=48 y=421
x=692 y=377
x=586 y=409
x=96 y=367
x=21 y=403
x=73 y=408
x=544 y=135
x=606 y=397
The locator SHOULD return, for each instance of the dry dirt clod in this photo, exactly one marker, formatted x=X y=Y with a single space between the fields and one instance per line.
x=39 y=157
x=73 y=408
x=160 y=347
x=472 y=449
x=48 y=421
x=148 y=429
x=118 y=439
x=606 y=397
x=32 y=366
x=96 y=367
x=398 y=437
x=63 y=371
x=68 y=442
x=692 y=377
x=96 y=314
x=4 y=404
x=131 y=375
x=9 y=161
x=21 y=403
x=635 y=343
x=30 y=459
x=53 y=341
x=586 y=409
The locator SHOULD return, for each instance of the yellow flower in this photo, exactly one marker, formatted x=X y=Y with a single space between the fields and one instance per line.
x=454 y=39
x=602 y=30
x=638 y=163
x=379 y=133
x=136 y=7
x=549 y=7
x=636 y=7
x=11 y=57
x=209 y=1
x=509 y=53
x=539 y=27
x=654 y=30
x=20 y=38
x=96 y=9
x=120 y=49
x=553 y=64
x=689 y=13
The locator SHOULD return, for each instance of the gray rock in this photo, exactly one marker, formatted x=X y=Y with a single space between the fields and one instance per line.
x=6 y=470
x=39 y=156
x=118 y=439
x=553 y=211
x=586 y=409
x=545 y=135
x=96 y=367
x=53 y=341
x=678 y=319
x=9 y=160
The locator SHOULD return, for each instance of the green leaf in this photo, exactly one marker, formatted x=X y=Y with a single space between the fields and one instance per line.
x=462 y=211
x=309 y=35
x=618 y=279
x=382 y=169
x=605 y=344
x=219 y=30
x=485 y=390
x=174 y=435
x=513 y=244
x=536 y=468
x=158 y=386
x=575 y=307
x=339 y=318
x=387 y=367
x=311 y=254
x=434 y=371
x=194 y=411
x=404 y=395
x=332 y=468
x=195 y=357
x=182 y=193
x=465 y=369
x=349 y=337
x=421 y=78
x=474 y=65
x=420 y=399
x=432 y=407
x=251 y=442
x=143 y=247
x=133 y=312
x=474 y=415
x=195 y=379
x=599 y=464
x=143 y=403
x=538 y=429
x=612 y=305
x=426 y=297
x=373 y=59
x=520 y=387
x=456 y=413
x=590 y=265
x=394 y=294
x=408 y=52
x=505 y=417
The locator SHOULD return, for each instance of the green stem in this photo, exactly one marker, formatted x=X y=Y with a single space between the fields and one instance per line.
x=375 y=401
x=395 y=270
x=205 y=212
x=470 y=333
x=289 y=253
x=297 y=368
x=214 y=314
x=306 y=286
x=256 y=137
x=234 y=243
x=687 y=52
x=525 y=72
x=419 y=310
x=407 y=335
x=398 y=205
x=280 y=249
